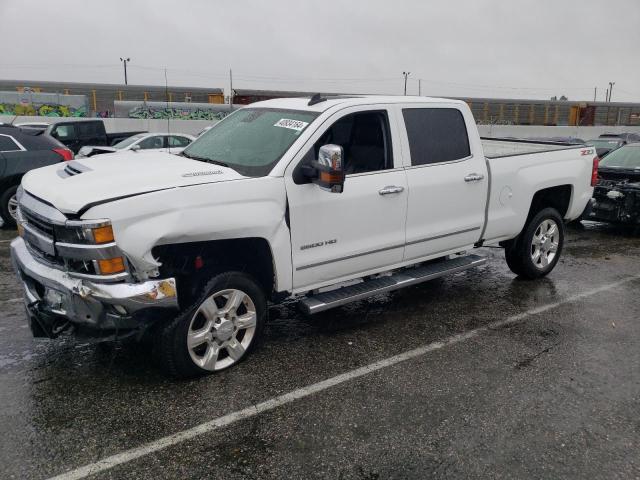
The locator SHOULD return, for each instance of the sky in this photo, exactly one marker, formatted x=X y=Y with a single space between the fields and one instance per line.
x=532 y=49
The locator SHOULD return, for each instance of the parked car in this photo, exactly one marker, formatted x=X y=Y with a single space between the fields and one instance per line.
x=324 y=201
x=160 y=142
x=42 y=126
x=22 y=150
x=626 y=137
x=568 y=140
x=606 y=145
x=616 y=197
x=75 y=134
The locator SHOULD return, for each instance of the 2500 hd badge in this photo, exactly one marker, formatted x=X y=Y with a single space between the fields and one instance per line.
x=318 y=244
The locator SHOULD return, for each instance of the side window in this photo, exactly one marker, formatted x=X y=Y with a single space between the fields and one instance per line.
x=151 y=142
x=8 y=144
x=365 y=139
x=87 y=129
x=436 y=135
x=175 y=141
x=64 y=132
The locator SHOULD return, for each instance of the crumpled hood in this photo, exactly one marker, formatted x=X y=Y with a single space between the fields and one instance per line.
x=71 y=186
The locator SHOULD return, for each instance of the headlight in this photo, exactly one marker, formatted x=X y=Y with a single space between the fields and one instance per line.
x=92 y=233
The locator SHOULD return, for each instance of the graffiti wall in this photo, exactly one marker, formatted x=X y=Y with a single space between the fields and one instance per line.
x=172 y=110
x=42 y=104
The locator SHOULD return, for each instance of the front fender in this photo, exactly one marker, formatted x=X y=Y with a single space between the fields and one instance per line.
x=243 y=208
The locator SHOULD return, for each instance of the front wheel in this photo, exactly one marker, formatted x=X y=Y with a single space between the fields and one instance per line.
x=217 y=331
x=9 y=206
x=537 y=249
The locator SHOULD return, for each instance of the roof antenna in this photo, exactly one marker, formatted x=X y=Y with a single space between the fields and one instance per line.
x=166 y=96
x=317 y=98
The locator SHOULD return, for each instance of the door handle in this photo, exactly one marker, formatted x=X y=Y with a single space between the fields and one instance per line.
x=390 y=189
x=474 y=177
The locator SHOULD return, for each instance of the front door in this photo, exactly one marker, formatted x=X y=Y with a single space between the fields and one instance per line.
x=338 y=236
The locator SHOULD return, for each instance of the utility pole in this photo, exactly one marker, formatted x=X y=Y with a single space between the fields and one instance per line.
x=611 y=84
x=606 y=95
x=595 y=93
x=230 y=90
x=124 y=61
x=406 y=74
x=419 y=87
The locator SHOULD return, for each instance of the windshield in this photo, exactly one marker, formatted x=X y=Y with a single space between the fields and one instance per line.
x=128 y=141
x=624 y=157
x=251 y=140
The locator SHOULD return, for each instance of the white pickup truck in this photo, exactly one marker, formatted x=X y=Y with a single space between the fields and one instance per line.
x=324 y=200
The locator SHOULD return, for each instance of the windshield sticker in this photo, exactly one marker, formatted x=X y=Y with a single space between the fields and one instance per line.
x=296 y=125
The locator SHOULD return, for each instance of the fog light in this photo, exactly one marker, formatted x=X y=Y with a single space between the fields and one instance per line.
x=111 y=265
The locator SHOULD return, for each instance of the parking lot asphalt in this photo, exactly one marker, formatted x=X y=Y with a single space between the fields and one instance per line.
x=506 y=379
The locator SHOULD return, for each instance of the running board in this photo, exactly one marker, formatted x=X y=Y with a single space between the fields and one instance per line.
x=404 y=278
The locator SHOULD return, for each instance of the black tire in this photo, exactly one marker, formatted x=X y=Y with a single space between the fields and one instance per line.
x=171 y=348
x=5 y=197
x=518 y=252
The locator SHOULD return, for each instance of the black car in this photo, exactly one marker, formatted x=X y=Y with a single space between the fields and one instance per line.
x=21 y=150
x=616 y=197
x=625 y=137
x=76 y=134
x=567 y=140
x=606 y=145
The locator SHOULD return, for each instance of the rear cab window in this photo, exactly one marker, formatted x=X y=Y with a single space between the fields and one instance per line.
x=436 y=135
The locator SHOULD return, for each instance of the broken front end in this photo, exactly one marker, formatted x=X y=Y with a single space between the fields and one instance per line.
x=616 y=198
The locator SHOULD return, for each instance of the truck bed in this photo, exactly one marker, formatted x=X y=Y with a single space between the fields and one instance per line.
x=506 y=147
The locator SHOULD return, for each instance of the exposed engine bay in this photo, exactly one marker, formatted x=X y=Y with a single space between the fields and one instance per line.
x=616 y=198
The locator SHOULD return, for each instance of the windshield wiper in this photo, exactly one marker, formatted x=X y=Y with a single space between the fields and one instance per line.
x=203 y=159
x=193 y=157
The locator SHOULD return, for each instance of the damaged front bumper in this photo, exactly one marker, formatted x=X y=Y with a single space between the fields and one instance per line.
x=616 y=202
x=56 y=301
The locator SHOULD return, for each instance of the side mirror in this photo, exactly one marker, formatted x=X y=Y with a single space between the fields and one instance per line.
x=329 y=168
x=135 y=148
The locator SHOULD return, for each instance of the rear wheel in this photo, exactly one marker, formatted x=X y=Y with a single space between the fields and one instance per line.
x=537 y=249
x=219 y=330
x=9 y=206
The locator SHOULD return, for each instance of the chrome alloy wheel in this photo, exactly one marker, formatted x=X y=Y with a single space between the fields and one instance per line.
x=544 y=244
x=13 y=207
x=221 y=329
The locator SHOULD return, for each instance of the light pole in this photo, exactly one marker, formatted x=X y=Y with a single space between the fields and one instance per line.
x=124 y=61
x=406 y=74
x=611 y=84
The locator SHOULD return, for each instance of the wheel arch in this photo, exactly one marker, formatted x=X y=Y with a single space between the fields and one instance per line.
x=194 y=263
x=557 y=197
x=10 y=181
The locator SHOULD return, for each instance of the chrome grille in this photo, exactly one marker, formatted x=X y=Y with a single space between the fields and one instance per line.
x=42 y=226
x=51 y=239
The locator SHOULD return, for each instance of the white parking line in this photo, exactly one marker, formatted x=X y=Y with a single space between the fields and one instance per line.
x=206 y=427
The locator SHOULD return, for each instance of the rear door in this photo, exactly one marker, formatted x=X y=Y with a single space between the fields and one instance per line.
x=447 y=183
x=336 y=236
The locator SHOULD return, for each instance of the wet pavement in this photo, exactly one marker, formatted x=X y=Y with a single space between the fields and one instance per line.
x=555 y=394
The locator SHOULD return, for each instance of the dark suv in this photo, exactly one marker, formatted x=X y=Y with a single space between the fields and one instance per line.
x=21 y=150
